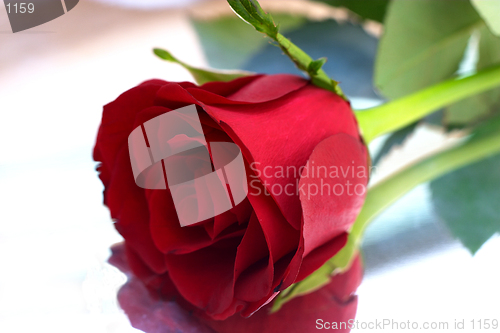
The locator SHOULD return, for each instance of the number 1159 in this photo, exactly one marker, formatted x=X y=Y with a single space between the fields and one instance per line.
x=21 y=8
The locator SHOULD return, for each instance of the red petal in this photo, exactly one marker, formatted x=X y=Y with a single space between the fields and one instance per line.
x=166 y=231
x=205 y=277
x=281 y=237
x=129 y=207
x=330 y=205
x=228 y=88
x=320 y=255
x=300 y=314
x=118 y=118
x=268 y=87
x=253 y=268
x=173 y=96
x=283 y=133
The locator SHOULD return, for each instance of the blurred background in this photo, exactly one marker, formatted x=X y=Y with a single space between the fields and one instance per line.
x=55 y=233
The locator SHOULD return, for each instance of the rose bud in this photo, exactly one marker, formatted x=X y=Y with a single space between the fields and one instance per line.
x=306 y=168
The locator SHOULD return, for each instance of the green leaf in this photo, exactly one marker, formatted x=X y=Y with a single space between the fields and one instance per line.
x=490 y=12
x=201 y=76
x=423 y=43
x=481 y=106
x=315 y=66
x=468 y=202
x=229 y=42
x=486 y=129
x=251 y=12
x=367 y=9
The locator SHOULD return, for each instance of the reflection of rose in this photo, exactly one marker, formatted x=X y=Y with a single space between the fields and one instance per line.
x=331 y=305
x=239 y=260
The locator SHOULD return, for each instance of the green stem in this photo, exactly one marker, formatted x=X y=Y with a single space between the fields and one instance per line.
x=251 y=12
x=399 y=113
x=302 y=60
x=388 y=191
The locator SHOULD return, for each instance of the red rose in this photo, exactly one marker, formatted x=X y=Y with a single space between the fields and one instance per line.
x=334 y=303
x=238 y=261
